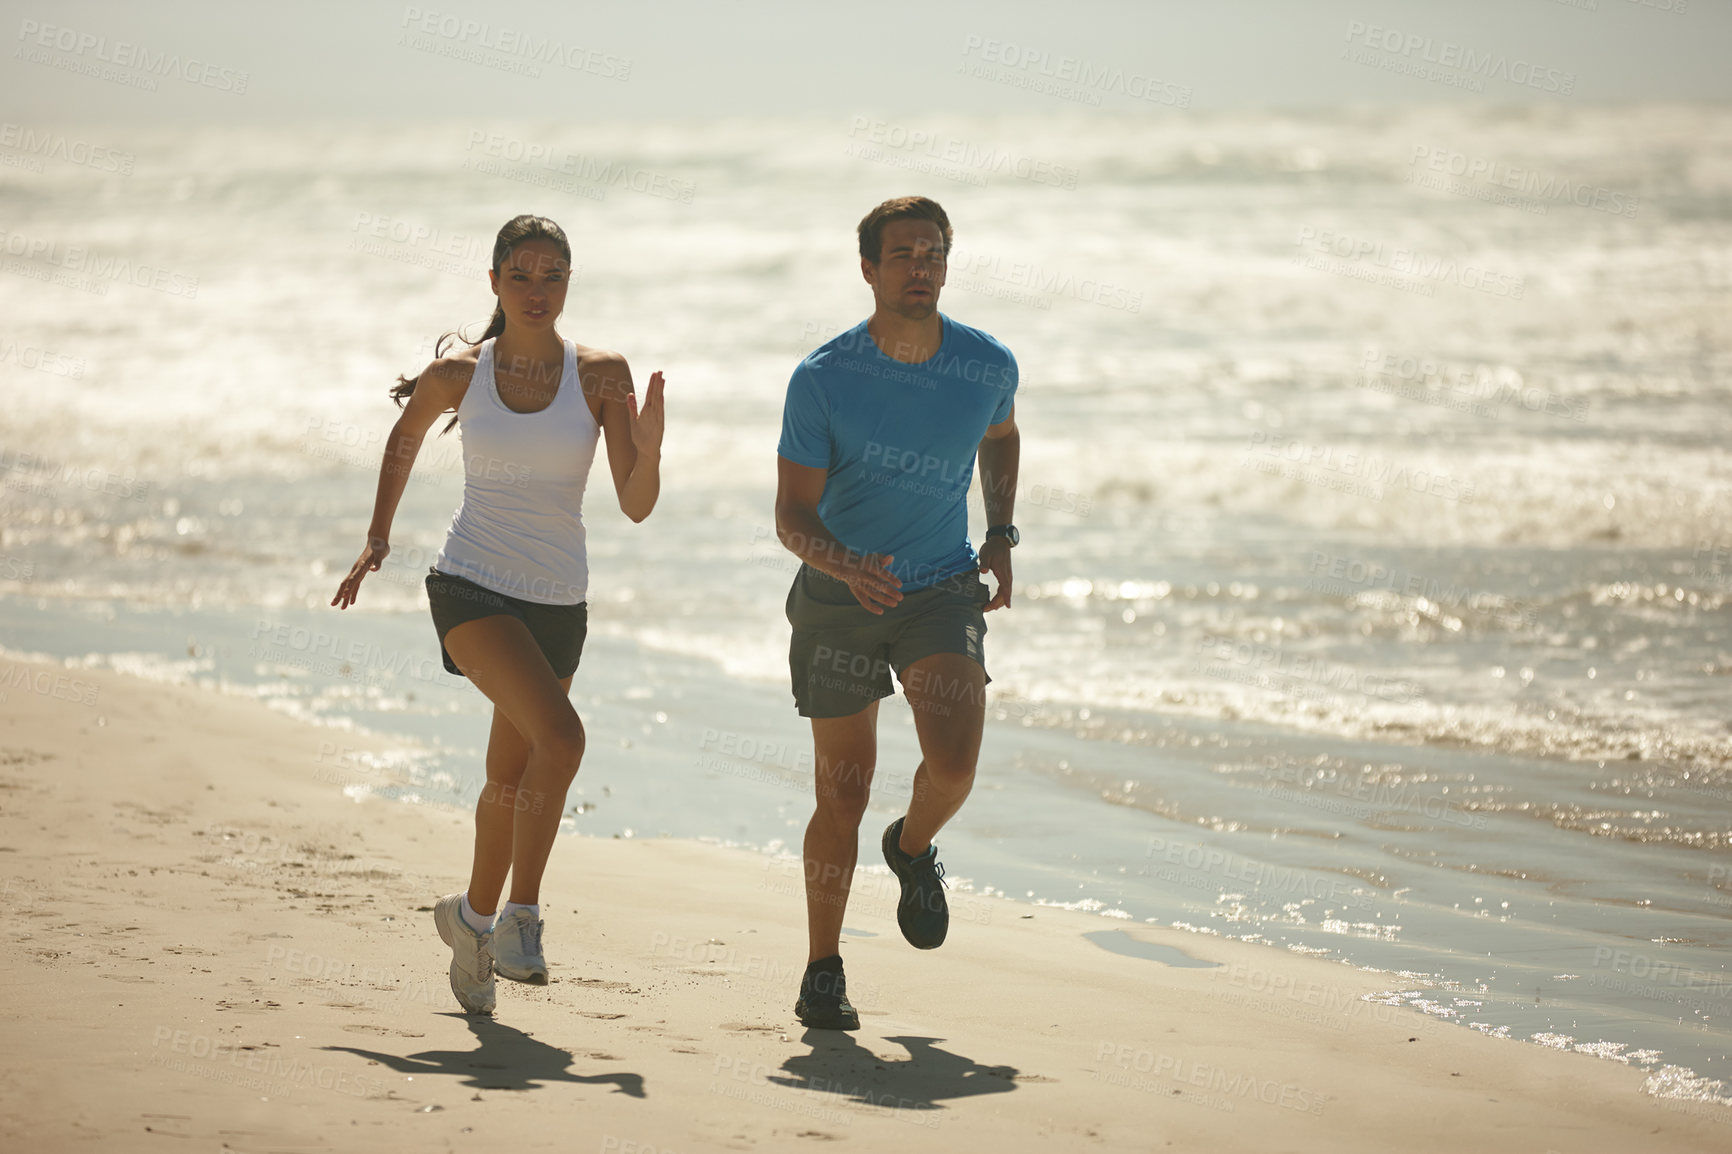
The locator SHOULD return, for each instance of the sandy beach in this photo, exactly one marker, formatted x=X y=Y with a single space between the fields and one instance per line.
x=216 y=949
x=1356 y=770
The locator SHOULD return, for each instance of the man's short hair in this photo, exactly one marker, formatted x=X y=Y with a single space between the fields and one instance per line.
x=899 y=208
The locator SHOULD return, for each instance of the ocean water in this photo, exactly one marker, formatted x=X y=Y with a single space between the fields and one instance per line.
x=1373 y=599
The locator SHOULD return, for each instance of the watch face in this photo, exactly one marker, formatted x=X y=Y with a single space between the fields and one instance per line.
x=1008 y=532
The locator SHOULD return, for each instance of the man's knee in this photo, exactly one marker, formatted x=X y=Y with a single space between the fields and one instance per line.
x=950 y=770
x=842 y=802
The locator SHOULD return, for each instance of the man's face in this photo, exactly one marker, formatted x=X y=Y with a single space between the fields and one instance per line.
x=910 y=269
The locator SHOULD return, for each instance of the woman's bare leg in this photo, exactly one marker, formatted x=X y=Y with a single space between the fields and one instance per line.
x=501 y=658
x=495 y=811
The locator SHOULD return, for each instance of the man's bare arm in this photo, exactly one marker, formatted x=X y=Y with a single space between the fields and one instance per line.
x=803 y=532
x=999 y=455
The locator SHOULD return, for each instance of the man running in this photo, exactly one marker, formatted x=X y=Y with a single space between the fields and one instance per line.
x=879 y=437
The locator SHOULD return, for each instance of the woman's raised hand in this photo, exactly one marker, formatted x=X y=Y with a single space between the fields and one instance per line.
x=647 y=423
x=371 y=558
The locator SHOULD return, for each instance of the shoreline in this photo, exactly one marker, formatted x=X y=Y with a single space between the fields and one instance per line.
x=1294 y=863
x=232 y=948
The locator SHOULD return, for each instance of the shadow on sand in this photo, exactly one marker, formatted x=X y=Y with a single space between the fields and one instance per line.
x=506 y=1059
x=840 y=1065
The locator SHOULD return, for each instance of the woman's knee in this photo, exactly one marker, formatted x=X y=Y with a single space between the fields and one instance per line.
x=506 y=768
x=561 y=747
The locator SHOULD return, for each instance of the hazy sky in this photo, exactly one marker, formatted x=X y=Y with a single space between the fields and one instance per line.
x=92 y=61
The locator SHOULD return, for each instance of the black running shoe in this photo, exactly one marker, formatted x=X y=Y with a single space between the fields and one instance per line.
x=823 y=1003
x=922 y=913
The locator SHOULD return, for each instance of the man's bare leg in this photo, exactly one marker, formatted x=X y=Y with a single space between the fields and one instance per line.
x=846 y=749
x=947 y=692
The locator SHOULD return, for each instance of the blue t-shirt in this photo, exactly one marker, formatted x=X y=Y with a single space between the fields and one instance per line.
x=897 y=442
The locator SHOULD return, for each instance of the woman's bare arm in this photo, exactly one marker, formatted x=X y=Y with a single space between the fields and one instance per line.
x=438 y=390
x=633 y=432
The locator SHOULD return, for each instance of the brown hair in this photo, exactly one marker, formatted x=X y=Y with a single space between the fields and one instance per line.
x=899 y=208
x=516 y=231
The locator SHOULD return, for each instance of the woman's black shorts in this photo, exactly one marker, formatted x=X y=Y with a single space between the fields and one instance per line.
x=558 y=629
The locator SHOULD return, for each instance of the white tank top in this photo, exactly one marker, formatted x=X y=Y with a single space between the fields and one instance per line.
x=519 y=530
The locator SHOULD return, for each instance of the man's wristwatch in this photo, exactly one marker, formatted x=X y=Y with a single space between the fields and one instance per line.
x=1007 y=531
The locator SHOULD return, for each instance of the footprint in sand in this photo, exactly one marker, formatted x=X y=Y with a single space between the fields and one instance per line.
x=600 y=984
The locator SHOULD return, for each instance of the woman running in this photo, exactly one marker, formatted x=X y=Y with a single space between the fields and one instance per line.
x=508 y=590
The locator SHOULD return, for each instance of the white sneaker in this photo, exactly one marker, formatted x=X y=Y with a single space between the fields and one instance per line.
x=471 y=956
x=517 y=948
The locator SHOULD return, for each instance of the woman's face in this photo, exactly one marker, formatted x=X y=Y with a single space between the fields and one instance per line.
x=531 y=284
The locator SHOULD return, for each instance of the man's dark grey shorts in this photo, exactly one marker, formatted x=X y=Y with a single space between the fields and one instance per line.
x=841 y=655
